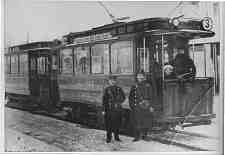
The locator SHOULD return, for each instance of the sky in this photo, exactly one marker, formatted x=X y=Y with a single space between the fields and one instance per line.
x=42 y=20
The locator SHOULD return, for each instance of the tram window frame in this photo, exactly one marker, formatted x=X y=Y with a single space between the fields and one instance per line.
x=8 y=64
x=71 y=70
x=204 y=66
x=131 y=52
x=104 y=62
x=41 y=65
x=15 y=65
x=83 y=70
x=23 y=65
x=55 y=62
x=143 y=65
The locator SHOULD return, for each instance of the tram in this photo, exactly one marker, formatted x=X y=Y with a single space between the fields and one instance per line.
x=74 y=73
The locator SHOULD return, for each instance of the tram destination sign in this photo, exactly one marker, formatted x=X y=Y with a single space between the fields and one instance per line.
x=93 y=38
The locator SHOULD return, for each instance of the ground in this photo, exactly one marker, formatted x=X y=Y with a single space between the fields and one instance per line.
x=28 y=132
x=25 y=131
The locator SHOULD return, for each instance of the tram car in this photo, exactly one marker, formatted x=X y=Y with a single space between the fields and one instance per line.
x=74 y=73
x=27 y=71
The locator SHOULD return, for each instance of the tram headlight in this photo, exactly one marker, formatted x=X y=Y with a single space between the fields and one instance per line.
x=175 y=22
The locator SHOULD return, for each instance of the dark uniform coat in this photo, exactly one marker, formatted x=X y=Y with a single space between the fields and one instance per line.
x=140 y=101
x=113 y=97
x=183 y=64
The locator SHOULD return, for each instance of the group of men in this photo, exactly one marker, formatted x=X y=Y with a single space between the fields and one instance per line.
x=140 y=101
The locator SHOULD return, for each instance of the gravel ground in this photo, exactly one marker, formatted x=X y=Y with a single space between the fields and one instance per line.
x=29 y=132
x=18 y=142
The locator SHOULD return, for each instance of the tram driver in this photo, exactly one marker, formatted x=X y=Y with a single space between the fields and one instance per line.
x=182 y=67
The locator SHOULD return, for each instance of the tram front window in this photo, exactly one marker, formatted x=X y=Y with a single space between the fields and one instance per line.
x=173 y=56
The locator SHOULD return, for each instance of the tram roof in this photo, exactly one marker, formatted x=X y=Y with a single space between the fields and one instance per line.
x=191 y=26
x=114 y=25
x=32 y=46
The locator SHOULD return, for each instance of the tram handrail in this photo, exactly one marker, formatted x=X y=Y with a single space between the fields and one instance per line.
x=186 y=117
x=199 y=102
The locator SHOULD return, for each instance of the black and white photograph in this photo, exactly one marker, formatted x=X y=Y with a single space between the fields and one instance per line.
x=113 y=76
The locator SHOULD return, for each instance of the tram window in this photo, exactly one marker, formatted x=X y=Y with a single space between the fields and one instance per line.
x=66 y=61
x=33 y=64
x=130 y=28
x=121 y=57
x=7 y=64
x=202 y=59
x=121 y=29
x=23 y=63
x=14 y=64
x=81 y=60
x=170 y=49
x=143 y=56
x=41 y=65
x=100 y=58
x=54 y=62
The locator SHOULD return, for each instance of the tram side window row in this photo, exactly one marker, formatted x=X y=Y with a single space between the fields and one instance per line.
x=16 y=64
x=97 y=59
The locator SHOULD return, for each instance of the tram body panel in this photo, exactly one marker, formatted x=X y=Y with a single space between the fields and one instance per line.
x=16 y=73
x=89 y=89
x=190 y=99
x=17 y=84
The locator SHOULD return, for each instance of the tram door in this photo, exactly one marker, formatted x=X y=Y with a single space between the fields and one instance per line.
x=148 y=62
x=33 y=77
x=40 y=83
x=43 y=70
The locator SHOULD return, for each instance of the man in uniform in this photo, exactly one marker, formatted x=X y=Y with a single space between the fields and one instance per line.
x=113 y=97
x=141 y=101
x=184 y=67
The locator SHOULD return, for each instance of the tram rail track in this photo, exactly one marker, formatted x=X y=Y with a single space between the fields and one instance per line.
x=193 y=134
x=169 y=142
x=191 y=141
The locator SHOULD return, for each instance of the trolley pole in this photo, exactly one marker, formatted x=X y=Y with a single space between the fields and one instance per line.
x=162 y=56
x=144 y=52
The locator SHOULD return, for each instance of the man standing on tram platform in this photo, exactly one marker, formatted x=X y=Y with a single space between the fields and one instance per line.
x=184 y=66
x=141 y=102
x=113 y=97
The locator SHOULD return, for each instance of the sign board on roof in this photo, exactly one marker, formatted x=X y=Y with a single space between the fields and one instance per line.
x=93 y=38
